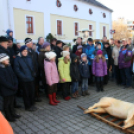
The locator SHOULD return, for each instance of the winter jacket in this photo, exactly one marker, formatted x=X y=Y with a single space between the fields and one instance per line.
x=34 y=57
x=109 y=53
x=64 y=70
x=74 y=69
x=3 y=50
x=51 y=72
x=23 y=68
x=78 y=54
x=53 y=48
x=89 y=51
x=84 y=69
x=58 y=51
x=99 y=69
x=125 y=56
x=115 y=54
x=38 y=48
x=8 y=81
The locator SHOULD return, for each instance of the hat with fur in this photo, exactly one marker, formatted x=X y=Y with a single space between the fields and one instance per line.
x=3 y=57
x=50 y=55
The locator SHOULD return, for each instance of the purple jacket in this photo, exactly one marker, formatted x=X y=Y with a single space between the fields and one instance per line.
x=51 y=72
x=99 y=69
x=125 y=59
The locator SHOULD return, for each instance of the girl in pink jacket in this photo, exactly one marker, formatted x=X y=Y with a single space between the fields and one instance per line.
x=52 y=77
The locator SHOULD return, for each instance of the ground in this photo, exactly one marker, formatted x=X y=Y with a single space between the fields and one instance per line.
x=66 y=118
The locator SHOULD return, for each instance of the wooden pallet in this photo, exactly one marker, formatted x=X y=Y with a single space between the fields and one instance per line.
x=112 y=121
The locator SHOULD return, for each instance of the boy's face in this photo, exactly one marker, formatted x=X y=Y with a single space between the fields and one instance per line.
x=6 y=62
x=54 y=43
x=30 y=44
x=59 y=45
x=84 y=59
x=99 y=47
x=24 y=53
x=106 y=45
x=10 y=43
x=18 y=45
x=90 y=42
x=80 y=50
x=4 y=44
x=48 y=48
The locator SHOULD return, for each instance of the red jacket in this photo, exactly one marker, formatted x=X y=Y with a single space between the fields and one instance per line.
x=78 y=54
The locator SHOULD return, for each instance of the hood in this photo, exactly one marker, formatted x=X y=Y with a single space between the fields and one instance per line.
x=74 y=57
x=8 y=31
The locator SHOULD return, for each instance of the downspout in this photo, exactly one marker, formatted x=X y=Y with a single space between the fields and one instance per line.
x=8 y=13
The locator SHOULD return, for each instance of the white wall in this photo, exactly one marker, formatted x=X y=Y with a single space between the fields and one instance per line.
x=49 y=7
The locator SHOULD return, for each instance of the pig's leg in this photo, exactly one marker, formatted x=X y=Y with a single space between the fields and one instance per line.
x=100 y=104
x=98 y=110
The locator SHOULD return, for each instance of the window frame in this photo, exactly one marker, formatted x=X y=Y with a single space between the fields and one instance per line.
x=90 y=29
x=105 y=31
x=77 y=29
x=57 y=27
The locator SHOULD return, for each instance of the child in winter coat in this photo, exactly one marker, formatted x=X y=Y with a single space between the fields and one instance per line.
x=99 y=69
x=79 y=51
x=85 y=74
x=75 y=75
x=64 y=72
x=52 y=77
x=8 y=87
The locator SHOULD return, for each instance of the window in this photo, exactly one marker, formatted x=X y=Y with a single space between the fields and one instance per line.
x=59 y=27
x=90 y=30
x=29 y=24
x=104 y=31
x=76 y=28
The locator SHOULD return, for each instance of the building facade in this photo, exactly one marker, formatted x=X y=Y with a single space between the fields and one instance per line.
x=61 y=18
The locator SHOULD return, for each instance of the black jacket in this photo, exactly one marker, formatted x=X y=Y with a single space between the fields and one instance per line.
x=75 y=48
x=23 y=68
x=3 y=50
x=74 y=69
x=84 y=69
x=58 y=51
x=8 y=81
x=34 y=57
x=53 y=48
x=109 y=53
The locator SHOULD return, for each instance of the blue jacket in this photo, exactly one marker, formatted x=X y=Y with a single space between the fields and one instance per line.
x=8 y=81
x=23 y=68
x=89 y=51
x=84 y=70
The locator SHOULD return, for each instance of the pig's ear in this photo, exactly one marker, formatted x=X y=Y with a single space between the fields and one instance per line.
x=130 y=115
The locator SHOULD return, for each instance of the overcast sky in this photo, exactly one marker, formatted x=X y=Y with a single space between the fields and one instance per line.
x=121 y=8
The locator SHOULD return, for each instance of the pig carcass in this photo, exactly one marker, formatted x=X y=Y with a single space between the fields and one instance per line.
x=117 y=108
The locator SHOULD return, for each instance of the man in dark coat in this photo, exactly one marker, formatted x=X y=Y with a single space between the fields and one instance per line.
x=39 y=44
x=8 y=87
x=53 y=44
x=33 y=55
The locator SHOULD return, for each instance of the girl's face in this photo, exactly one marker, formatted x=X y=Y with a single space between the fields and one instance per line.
x=53 y=59
x=84 y=59
x=24 y=53
x=80 y=50
x=67 y=49
x=100 y=55
x=68 y=56
x=48 y=48
x=6 y=62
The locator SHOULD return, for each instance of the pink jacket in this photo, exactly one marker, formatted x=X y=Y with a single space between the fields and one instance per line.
x=51 y=72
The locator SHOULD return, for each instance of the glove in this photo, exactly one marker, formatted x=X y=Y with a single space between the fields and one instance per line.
x=64 y=80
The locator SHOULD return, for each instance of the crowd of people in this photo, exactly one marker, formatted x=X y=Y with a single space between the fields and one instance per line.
x=60 y=69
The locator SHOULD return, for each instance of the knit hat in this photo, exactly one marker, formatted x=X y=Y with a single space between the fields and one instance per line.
x=3 y=57
x=28 y=40
x=99 y=52
x=79 y=47
x=65 y=53
x=3 y=39
x=45 y=44
x=23 y=48
x=9 y=31
x=50 y=55
x=65 y=47
x=83 y=55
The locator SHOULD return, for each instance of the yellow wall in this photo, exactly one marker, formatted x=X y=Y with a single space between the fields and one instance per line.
x=101 y=30
x=20 y=24
x=68 y=26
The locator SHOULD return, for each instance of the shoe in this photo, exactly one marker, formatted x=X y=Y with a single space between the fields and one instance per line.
x=17 y=106
x=38 y=100
x=51 y=102
x=67 y=98
x=83 y=93
x=54 y=98
x=101 y=86
x=14 y=114
x=87 y=93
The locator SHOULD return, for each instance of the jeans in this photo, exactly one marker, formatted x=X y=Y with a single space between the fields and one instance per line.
x=126 y=76
x=74 y=86
x=99 y=79
x=84 y=84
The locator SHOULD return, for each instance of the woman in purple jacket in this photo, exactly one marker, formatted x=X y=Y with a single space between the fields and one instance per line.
x=99 y=69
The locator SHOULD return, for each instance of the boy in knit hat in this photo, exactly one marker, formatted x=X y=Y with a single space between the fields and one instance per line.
x=85 y=74
x=8 y=87
x=79 y=51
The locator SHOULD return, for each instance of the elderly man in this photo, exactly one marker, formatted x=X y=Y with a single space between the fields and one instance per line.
x=39 y=44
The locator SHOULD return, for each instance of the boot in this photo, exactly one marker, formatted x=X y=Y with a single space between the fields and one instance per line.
x=87 y=93
x=101 y=86
x=98 y=86
x=8 y=115
x=51 y=102
x=83 y=93
x=67 y=98
x=54 y=98
x=12 y=110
